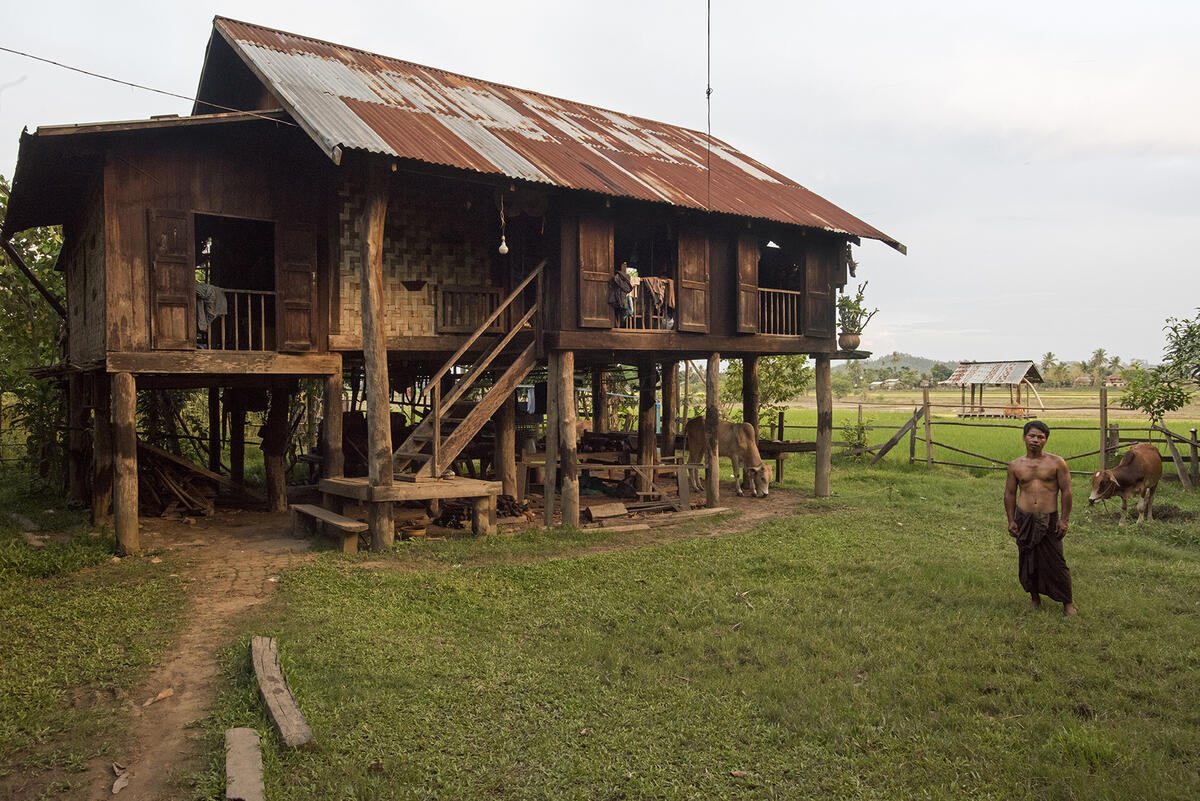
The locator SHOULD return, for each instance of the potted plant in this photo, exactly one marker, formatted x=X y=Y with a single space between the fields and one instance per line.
x=853 y=318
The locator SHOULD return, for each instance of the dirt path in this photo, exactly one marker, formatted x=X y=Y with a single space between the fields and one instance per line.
x=229 y=563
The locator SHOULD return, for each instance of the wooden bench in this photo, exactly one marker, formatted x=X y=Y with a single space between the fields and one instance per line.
x=481 y=493
x=310 y=520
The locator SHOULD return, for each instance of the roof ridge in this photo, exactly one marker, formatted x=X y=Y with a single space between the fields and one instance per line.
x=509 y=87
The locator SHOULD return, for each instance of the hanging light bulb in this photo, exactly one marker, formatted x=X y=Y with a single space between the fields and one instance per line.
x=503 y=245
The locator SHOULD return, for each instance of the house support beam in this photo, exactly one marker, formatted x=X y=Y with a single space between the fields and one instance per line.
x=274 y=448
x=647 y=435
x=750 y=392
x=824 y=427
x=568 y=456
x=599 y=400
x=125 y=479
x=712 y=459
x=102 y=451
x=78 y=411
x=553 y=364
x=374 y=337
x=333 y=460
x=670 y=405
x=214 y=429
x=237 y=440
x=505 y=455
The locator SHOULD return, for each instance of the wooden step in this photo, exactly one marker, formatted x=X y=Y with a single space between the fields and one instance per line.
x=410 y=455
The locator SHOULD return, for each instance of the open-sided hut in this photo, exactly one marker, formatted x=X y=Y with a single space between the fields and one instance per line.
x=336 y=209
x=1014 y=376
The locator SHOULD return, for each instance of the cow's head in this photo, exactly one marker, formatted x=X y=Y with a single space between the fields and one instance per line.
x=1104 y=486
x=761 y=479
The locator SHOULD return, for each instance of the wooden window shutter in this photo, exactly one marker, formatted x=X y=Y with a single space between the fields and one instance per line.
x=818 y=294
x=747 y=284
x=595 y=271
x=692 y=293
x=295 y=287
x=172 y=281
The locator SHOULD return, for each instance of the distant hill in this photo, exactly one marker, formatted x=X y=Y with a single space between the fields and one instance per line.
x=899 y=360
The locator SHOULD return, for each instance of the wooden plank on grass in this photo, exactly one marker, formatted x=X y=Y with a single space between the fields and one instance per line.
x=281 y=704
x=600 y=511
x=243 y=766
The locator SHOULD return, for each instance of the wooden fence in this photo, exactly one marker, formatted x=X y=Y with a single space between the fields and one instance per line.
x=1183 y=452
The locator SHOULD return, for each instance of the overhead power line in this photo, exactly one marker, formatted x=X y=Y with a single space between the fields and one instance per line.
x=140 y=86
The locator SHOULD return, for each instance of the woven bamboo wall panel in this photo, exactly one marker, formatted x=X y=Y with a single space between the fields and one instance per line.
x=427 y=238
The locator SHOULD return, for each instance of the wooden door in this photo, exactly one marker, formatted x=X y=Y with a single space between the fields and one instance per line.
x=295 y=287
x=692 y=292
x=818 y=294
x=747 y=284
x=172 y=281
x=595 y=271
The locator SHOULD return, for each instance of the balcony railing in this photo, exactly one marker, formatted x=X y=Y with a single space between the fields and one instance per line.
x=650 y=313
x=780 y=311
x=248 y=323
x=461 y=309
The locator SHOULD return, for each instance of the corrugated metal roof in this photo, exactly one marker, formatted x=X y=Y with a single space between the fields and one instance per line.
x=350 y=99
x=994 y=373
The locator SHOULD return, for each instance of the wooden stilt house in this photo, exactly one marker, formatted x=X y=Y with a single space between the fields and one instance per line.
x=326 y=210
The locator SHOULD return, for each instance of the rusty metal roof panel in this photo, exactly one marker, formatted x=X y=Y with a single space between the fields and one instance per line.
x=994 y=373
x=351 y=99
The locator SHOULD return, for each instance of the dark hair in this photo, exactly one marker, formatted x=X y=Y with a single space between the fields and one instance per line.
x=1038 y=424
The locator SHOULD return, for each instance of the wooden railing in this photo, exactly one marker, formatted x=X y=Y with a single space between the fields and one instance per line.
x=780 y=311
x=459 y=309
x=646 y=316
x=248 y=323
x=433 y=390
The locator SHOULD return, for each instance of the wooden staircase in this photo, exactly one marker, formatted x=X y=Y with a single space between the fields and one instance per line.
x=454 y=420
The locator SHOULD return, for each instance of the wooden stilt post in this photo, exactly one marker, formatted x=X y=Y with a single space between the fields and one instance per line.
x=750 y=392
x=125 y=479
x=670 y=403
x=824 y=379
x=77 y=424
x=647 y=436
x=568 y=457
x=237 y=441
x=929 y=428
x=505 y=452
x=687 y=392
x=274 y=448
x=552 y=437
x=712 y=457
x=599 y=400
x=374 y=340
x=102 y=451
x=333 y=460
x=1195 y=452
x=1103 y=428
x=214 y=429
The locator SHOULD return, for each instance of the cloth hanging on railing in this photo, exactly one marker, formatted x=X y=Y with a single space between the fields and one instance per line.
x=210 y=304
x=619 y=294
x=662 y=292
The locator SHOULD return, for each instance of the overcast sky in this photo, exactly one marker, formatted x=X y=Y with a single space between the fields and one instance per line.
x=1041 y=160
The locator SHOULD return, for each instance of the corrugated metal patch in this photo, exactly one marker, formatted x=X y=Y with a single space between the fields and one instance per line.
x=994 y=373
x=358 y=100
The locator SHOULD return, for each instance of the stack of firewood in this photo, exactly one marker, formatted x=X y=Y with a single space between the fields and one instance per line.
x=455 y=514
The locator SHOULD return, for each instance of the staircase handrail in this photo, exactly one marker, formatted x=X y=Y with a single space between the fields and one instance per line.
x=453 y=360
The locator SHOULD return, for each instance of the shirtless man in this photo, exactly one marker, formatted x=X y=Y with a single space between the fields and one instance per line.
x=1034 y=520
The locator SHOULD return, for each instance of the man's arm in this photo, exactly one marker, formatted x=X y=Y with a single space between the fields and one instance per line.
x=1010 y=500
x=1064 y=486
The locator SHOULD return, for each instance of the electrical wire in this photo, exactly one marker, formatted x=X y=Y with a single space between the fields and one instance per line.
x=140 y=86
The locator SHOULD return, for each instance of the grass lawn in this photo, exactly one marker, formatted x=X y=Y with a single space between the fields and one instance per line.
x=875 y=645
x=76 y=633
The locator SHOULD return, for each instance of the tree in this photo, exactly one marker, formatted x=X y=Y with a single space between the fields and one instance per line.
x=1048 y=362
x=780 y=379
x=940 y=372
x=30 y=333
x=1166 y=388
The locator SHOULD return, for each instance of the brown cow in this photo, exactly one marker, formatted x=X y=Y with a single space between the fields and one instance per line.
x=738 y=442
x=1137 y=474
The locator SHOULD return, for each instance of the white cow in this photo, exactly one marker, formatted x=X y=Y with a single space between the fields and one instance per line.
x=738 y=442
